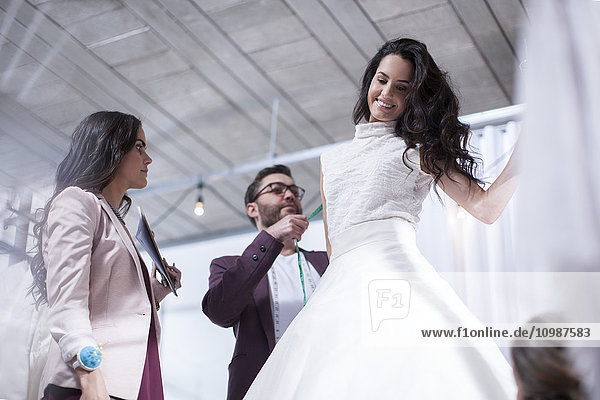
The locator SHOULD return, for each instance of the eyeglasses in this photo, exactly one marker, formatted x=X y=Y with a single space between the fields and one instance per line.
x=279 y=188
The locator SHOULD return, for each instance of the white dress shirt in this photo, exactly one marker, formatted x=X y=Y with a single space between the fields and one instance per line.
x=285 y=289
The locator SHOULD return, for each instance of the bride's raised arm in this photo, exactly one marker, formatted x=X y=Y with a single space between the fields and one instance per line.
x=485 y=205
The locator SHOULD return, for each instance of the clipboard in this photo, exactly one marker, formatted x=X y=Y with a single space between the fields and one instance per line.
x=146 y=238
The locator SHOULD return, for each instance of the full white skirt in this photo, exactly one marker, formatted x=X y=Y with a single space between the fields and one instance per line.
x=360 y=334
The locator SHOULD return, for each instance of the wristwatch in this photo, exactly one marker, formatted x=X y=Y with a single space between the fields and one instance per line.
x=88 y=358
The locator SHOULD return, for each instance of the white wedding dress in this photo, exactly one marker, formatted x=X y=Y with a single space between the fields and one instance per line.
x=359 y=335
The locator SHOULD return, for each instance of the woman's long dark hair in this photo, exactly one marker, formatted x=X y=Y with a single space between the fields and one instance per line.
x=99 y=143
x=546 y=373
x=430 y=118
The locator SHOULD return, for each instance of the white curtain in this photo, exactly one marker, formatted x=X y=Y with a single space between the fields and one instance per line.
x=559 y=205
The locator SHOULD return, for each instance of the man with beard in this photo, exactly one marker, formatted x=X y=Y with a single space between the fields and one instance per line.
x=261 y=291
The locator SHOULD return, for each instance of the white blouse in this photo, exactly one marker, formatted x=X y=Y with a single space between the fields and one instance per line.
x=366 y=179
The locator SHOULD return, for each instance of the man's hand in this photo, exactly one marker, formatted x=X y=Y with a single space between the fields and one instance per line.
x=288 y=227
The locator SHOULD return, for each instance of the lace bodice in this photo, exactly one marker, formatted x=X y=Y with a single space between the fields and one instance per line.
x=366 y=179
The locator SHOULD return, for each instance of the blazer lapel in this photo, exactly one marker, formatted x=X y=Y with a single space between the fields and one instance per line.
x=263 y=306
x=127 y=240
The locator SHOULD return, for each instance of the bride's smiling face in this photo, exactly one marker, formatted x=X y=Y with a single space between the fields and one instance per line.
x=389 y=87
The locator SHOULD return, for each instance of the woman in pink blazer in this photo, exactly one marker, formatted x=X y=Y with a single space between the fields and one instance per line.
x=102 y=302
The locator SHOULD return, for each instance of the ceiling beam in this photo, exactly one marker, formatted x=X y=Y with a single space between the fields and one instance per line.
x=229 y=71
x=327 y=30
x=353 y=19
x=491 y=41
x=60 y=53
x=19 y=123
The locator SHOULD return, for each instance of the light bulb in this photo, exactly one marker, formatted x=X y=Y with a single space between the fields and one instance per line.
x=199 y=209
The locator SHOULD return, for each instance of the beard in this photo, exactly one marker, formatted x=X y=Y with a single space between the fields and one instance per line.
x=270 y=215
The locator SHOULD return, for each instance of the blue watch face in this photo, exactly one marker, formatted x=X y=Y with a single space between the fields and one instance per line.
x=91 y=357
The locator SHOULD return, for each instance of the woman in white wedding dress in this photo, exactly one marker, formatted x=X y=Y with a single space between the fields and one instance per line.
x=360 y=335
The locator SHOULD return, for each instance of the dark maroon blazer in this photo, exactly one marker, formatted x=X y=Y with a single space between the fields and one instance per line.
x=238 y=297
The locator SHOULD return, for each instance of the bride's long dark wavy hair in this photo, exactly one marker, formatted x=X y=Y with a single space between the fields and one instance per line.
x=99 y=143
x=430 y=118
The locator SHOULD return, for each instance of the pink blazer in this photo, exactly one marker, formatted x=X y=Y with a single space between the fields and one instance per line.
x=96 y=293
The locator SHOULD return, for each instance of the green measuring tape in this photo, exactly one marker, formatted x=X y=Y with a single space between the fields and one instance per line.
x=317 y=211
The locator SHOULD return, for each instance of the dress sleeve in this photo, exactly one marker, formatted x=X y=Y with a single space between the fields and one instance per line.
x=72 y=221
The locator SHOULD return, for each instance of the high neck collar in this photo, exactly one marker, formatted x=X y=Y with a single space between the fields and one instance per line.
x=374 y=129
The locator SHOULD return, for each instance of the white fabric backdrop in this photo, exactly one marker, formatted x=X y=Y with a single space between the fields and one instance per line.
x=559 y=206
